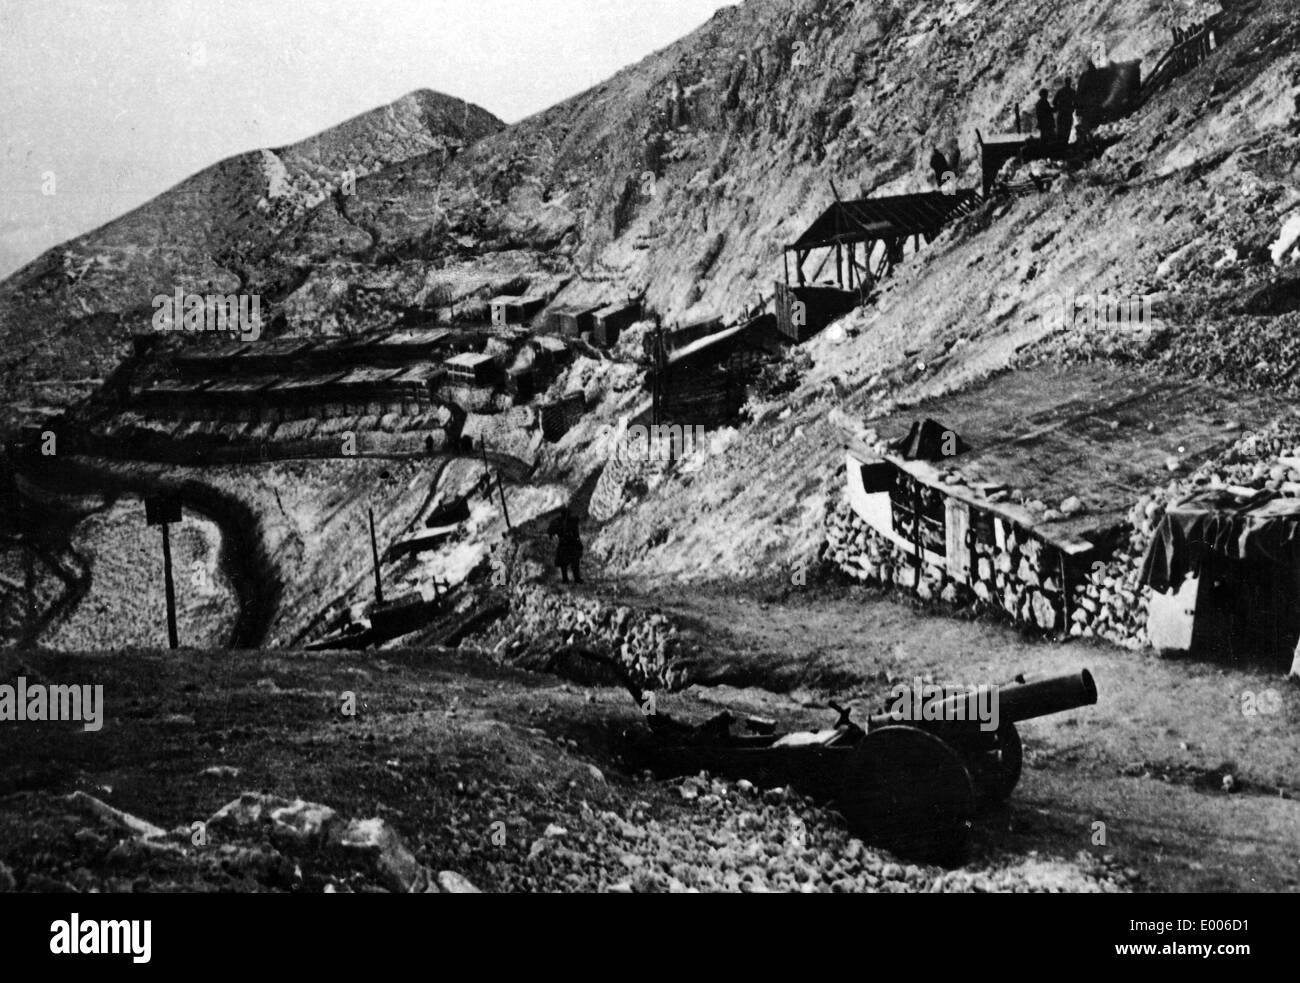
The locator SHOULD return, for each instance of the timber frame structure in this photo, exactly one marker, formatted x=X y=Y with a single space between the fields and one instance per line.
x=889 y=220
x=880 y=226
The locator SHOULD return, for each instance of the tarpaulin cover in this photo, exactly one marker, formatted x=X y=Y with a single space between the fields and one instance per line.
x=1265 y=529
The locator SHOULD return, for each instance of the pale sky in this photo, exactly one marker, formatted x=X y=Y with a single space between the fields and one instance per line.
x=121 y=99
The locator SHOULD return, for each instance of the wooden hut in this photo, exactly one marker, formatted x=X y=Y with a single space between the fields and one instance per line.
x=572 y=320
x=471 y=368
x=612 y=320
x=511 y=309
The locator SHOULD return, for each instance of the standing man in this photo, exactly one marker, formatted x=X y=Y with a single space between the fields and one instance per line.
x=1045 y=117
x=1064 y=111
x=568 y=547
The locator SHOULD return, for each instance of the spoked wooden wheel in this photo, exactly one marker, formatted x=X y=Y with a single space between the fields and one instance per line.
x=1001 y=765
x=908 y=791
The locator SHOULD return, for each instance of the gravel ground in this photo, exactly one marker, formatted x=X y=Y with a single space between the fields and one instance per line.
x=732 y=836
x=508 y=779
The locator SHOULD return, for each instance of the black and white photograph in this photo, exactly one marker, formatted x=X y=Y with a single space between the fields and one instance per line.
x=559 y=447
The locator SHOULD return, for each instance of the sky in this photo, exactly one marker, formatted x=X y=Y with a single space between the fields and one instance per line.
x=104 y=104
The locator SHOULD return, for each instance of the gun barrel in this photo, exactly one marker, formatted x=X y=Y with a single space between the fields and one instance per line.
x=1047 y=696
x=1015 y=703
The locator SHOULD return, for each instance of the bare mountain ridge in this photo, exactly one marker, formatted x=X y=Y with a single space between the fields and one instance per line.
x=69 y=313
x=230 y=210
x=685 y=173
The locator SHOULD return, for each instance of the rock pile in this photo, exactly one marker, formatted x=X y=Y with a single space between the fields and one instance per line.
x=1109 y=602
x=612 y=487
x=732 y=836
x=256 y=842
x=645 y=647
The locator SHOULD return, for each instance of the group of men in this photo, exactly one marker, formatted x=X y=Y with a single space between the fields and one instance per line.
x=1056 y=119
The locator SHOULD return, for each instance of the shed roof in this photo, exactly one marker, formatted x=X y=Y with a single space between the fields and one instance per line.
x=509 y=299
x=618 y=307
x=708 y=341
x=892 y=215
x=240 y=384
x=278 y=347
x=468 y=359
x=311 y=381
x=418 y=374
x=1097 y=432
x=366 y=375
x=418 y=336
x=173 y=386
x=577 y=308
x=224 y=350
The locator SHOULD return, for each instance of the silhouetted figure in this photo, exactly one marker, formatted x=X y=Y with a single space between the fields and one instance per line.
x=1046 y=118
x=938 y=164
x=568 y=547
x=1064 y=111
x=428 y=445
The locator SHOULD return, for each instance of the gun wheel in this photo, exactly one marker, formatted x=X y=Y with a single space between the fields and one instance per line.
x=1003 y=763
x=907 y=791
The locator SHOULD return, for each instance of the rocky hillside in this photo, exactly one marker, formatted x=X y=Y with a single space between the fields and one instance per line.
x=684 y=174
x=65 y=316
x=1191 y=208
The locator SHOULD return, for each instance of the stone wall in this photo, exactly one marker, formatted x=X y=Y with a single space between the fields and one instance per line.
x=1104 y=598
x=1026 y=581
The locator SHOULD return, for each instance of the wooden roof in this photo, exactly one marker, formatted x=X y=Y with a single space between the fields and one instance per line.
x=1097 y=432
x=879 y=218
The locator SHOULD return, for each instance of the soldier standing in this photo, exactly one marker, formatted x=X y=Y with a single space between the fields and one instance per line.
x=568 y=547
x=1064 y=112
x=1045 y=117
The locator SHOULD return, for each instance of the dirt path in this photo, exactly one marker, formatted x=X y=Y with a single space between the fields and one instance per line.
x=1192 y=792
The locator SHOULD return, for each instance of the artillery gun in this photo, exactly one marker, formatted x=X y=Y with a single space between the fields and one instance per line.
x=911 y=785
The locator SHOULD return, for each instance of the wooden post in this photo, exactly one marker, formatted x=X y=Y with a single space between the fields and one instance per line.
x=1065 y=592
x=916 y=519
x=839 y=266
x=162 y=510
x=169 y=586
x=656 y=380
x=500 y=487
x=374 y=555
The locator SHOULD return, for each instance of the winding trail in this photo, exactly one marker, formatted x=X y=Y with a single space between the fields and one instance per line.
x=243 y=554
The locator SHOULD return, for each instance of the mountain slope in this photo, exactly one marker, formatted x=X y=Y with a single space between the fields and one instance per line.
x=685 y=173
x=742 y=127
x=66 y=315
